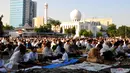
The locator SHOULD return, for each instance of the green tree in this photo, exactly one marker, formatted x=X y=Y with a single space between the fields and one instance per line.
x=54 y=23
x=36 y=29
x=57 y=23
x=123 y=31
x=99 y=34
x=128 y=32
x=67 y=31
x=73 y=30
x=61 y=30
x=102 y=29
x=48 y=27
x=8 y=27
x=70 y=31
x=44 y=28
x=81 y=32
x=85 y=33
x=90 y=33
x=111 y=31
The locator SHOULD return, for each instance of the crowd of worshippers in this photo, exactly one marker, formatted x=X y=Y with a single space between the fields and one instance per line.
x=25 y=51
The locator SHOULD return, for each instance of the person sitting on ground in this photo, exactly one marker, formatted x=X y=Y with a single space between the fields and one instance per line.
x=67 y=46
x=128 y=50
x=65 y=56
x=17 y=47
x=47 y=52
x=74 y=48
x=94 y=55
x=33 y=56
x=59 y=49
x=89 y=46
x=3 y=68
x=110 y=55
x=70 y=49
x=53 y=45
x=39 y=50
x=106 y=47
x=19 y=57
x=120 y=51
x=126 y=46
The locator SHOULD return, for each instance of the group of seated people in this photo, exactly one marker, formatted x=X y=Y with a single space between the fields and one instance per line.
x=109 y=52
x=26 y=53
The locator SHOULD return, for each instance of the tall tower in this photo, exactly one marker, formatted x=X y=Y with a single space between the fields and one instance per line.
x=33 y=12
x=21 y=12
x=17 y=12
x=46 y=13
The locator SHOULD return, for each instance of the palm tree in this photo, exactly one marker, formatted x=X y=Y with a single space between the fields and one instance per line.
x=55 y=23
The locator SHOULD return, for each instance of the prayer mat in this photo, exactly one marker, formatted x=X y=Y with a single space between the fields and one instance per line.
x=120 y=70
x=71 y=61
x=87 y=66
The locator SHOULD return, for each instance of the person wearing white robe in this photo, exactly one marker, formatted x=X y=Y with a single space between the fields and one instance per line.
x=4 y=68
x=19 y=56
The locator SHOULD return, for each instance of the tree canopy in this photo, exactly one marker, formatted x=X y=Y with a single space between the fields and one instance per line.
x=44 y=28
x=99 y=34
x=85 y=33
x=122 y=31
x=70 y=31
x=111 y=31
x=54 y=22
x=47 y=27
x=8 y=27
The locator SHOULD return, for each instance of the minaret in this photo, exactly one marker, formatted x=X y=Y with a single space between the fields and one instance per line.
x=45 y=13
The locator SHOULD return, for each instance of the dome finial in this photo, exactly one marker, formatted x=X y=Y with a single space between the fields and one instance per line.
x=75 y=15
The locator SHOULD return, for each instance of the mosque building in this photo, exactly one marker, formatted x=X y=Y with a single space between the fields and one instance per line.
x=105 y=22
x=94 y=24
x=75 y=15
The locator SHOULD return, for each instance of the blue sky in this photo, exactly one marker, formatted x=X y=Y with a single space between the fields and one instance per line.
x=118 y=10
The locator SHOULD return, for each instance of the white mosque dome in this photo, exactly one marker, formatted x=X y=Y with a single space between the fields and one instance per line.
x=75 y=15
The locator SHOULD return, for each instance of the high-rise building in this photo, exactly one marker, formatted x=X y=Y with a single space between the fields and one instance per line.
x=22 y=12
x=33 y=12
x=38 y=21
x=33 y=9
